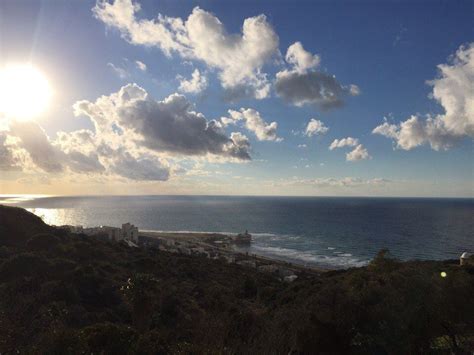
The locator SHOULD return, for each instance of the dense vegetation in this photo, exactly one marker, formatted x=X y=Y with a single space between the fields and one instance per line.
x=63 y=293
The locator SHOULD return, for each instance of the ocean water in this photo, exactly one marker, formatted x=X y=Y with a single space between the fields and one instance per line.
x=327 y=232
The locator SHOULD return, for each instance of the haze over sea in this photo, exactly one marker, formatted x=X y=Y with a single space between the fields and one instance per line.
x=322 y=231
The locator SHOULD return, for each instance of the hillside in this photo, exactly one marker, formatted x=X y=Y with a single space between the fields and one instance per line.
x=74 y=294
x=18 y=225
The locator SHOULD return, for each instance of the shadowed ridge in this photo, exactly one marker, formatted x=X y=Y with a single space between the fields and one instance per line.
x=17 y=225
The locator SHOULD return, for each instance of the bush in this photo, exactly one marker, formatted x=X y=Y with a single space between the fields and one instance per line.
x=42 y=241
x=108 y=338
x=24 y=265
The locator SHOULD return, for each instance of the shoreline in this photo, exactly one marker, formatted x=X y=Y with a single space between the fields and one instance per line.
x=218 y=242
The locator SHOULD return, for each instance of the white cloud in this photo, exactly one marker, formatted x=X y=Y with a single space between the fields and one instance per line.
x=303 y=85
x=239 y=58
x=354 y=90
x=302 y=146
x=253 y=122
x=134 y=137
x=196 y=84
x=120 y=72
x=386 y=129
x=34 y=140
x=344 y=142
x=301 y=59
x=333 y=182
x=358 y=153
x=315 y=127
x=141 y=169
x=39 y=151
x=8 y=161
x=169 y=125
x=454 y=91
x=140 y=65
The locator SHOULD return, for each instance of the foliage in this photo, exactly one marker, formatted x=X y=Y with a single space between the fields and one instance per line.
x=90 y=296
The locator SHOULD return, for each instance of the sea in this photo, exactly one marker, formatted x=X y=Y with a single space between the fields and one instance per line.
x=328 y=232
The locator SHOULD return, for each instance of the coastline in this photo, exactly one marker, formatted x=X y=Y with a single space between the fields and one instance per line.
x=219 y=243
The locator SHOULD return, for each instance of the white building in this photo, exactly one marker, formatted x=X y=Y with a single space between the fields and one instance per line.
x=113 y=233
x=466 y=259
x=127 y=232
x=130 y=232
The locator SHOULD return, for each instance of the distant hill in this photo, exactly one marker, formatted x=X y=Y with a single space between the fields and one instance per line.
x=17 y=225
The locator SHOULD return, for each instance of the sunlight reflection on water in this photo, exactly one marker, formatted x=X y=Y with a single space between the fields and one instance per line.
x=12 y=199
x=52 y=216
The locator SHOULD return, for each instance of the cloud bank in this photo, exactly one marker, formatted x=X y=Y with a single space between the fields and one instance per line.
x=238 y=58
x=135 y=137
x=454 y=91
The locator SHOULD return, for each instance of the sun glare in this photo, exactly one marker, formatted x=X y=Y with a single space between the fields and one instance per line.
x=24 y=92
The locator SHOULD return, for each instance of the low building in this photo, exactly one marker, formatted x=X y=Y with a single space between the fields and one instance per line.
x=243 y=238
x=247 y=263
x=466 y=259
x=290 y=278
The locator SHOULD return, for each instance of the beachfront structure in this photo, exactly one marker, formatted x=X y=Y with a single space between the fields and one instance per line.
x=466 y=259
x=243 y=238
x=130 y=232
x=113 y=233
x=127 y=232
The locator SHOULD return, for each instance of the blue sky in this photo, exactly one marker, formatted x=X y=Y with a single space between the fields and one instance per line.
x=388 y=49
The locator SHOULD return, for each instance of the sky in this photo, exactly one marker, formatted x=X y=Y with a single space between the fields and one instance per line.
x=311 y=98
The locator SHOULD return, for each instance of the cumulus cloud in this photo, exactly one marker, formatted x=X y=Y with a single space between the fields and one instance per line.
x=8 y=161
x=303 y=85
x=140 y=65
x=315 y=127
x=239 y=146
x=32 y=143
x=453 y=89
x=253 y=122
x=301 y=59
x=239 y=58
x=34 y=140
x=169 y=125
x=134 y=137
x=344 y=142
x=196 y=84
x=358 y=153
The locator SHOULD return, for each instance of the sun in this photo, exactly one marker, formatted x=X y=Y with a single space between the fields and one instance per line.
x=25 y=92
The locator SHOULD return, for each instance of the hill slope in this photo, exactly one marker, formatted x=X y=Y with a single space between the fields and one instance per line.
x=17 y=225
x=75 y=294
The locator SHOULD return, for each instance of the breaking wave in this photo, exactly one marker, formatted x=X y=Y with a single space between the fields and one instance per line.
x=343 y=260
